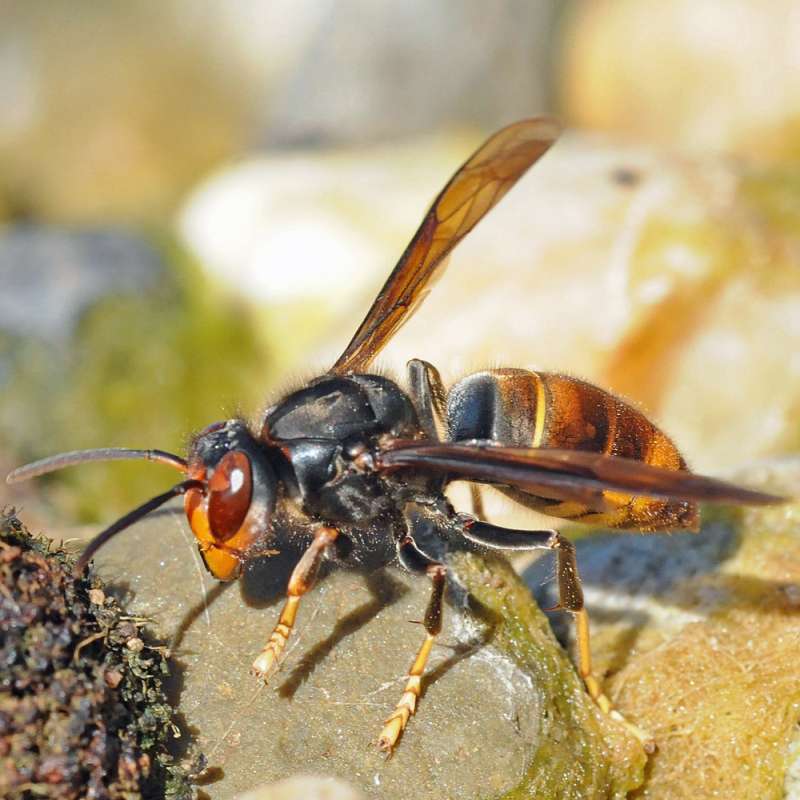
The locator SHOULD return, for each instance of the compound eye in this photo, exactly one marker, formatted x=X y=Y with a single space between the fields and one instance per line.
x=230 y=492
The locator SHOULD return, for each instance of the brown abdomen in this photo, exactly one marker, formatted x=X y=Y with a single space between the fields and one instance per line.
x=539 y=409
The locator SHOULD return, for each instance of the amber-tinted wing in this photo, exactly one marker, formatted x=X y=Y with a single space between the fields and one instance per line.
x=564 y=474
x=471 y=193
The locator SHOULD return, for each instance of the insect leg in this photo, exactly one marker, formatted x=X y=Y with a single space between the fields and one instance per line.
x=570 y=598
x=428 y=393
x=415 y=560
x=302 y=579
x=476 y=499
x=430 y=399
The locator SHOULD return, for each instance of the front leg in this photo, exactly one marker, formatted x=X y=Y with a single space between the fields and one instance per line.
x=414 y=560
x=302 y=579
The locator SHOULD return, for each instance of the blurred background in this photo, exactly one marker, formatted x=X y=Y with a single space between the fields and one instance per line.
x=199 y=199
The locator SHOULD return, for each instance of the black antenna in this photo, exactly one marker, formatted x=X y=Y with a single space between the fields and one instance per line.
x=130 y=518
x=53 y=463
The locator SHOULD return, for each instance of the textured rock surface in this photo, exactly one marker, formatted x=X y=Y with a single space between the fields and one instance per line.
x=508 y=716
x=303 y=788
x=82 y=706
x=699 y=636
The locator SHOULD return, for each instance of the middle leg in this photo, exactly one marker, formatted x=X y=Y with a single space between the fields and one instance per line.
x=413 y=559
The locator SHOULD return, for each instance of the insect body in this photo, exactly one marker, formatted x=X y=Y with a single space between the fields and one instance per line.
x=354 y=467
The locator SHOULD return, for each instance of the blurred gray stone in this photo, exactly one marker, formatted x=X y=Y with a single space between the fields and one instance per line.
x=50 y=276
x=628 y=578
x=382 y=70
x=640 y=566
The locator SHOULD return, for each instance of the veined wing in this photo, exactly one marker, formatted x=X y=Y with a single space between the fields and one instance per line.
x=472 y=192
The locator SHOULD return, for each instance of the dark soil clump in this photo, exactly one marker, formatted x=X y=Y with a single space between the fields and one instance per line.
x=82 y=708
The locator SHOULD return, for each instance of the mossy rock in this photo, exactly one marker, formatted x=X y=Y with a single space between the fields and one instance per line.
x=503 y=712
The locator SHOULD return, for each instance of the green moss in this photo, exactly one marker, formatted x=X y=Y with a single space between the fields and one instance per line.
x=142 y=371
x=581 y=753
x=774 y=195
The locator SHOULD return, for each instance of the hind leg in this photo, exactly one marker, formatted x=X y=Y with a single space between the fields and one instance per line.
x=570 y=598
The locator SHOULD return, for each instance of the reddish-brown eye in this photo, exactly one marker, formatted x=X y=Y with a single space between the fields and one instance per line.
x=230 y=492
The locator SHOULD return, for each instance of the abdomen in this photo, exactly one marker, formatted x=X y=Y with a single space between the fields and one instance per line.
x=516 y=407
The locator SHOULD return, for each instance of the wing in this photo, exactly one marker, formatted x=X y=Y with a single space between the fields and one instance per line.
x=471 y=193
x=564 y=474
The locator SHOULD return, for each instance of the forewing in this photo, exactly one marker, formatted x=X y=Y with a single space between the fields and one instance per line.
x=471 y=193
x=565 y=474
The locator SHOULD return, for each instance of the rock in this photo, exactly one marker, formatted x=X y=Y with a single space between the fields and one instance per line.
x=309 y=236
x=506 y=715
x=413 y=67
x=709 y=76
x=303 y=788
x=51 y=276
x=698 y=638
x=106 y=116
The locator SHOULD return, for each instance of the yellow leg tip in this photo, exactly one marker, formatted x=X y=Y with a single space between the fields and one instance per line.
x=263 y=667
x=269 y=658
x=267 y=662
x=604 y=704
x=646 y=739
x=391 y=730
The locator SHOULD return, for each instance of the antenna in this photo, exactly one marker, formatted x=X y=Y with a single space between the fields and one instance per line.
x=53 y=463
x=131 y=517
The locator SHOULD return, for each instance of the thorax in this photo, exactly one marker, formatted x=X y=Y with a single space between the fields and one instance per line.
x=325 y=432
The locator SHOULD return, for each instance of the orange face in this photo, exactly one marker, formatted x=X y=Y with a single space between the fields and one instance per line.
x=218 y=515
